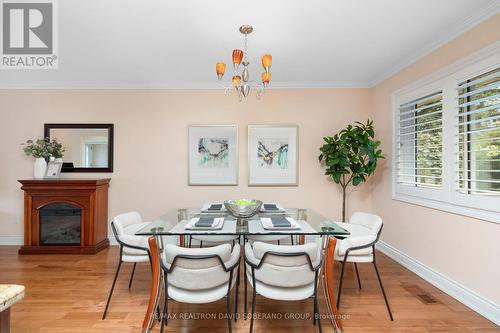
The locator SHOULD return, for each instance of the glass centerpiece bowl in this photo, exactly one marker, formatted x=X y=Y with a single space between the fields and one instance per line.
x=243 y=208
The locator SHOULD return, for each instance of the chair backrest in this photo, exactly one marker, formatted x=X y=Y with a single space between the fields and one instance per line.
x=280 y=269
x=122 y=221
x=198 y=268
x=371 y=221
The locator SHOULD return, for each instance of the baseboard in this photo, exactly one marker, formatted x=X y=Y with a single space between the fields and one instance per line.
x=11 y=240
x=469 y=298
x=19 y=240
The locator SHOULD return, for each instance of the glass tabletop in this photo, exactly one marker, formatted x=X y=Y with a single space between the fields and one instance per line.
x=183 y=222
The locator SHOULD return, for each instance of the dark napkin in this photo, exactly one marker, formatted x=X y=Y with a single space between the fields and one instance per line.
x=204 y=222
x=280 y=222
x=270 y=207
x=215 y=207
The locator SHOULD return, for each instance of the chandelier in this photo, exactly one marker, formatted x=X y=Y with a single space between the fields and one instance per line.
x=241 y=80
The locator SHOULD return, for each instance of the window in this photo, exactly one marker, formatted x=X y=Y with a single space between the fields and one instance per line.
x=420 y=144
x=447 y=138
x=479 y=134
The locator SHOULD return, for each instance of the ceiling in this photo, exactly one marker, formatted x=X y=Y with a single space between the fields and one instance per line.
x=314 y=43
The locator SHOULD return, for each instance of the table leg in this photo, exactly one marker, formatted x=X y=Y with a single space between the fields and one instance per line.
x=302 y=239
x=328 y=284
x=154 y=296
x=5 y=321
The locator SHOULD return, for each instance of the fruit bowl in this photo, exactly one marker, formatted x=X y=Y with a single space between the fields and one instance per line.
x=243 y=208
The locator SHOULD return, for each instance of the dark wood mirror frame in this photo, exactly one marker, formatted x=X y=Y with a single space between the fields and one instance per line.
x=109 y=127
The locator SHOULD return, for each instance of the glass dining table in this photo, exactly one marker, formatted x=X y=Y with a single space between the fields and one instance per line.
x=175 y=226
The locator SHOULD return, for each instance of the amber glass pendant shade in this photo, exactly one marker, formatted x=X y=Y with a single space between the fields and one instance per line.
x=266 y=78
x=236 y=80
x=237 y=56
x=220 y=68
x=267 y=61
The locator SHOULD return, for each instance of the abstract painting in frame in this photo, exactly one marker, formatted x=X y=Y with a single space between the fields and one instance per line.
x=213 y=155
x=272 y=155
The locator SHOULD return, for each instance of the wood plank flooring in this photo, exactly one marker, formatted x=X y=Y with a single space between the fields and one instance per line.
x=67 y=293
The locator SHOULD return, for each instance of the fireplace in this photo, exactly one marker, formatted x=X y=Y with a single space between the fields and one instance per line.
x=65 y=216
x=60 y=224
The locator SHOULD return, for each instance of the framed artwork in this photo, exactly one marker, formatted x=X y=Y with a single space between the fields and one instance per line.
x=272 y=155
x=213 y=155
x=53 y=169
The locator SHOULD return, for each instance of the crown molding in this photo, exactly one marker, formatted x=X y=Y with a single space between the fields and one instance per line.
x=167 y=86
x=456 y=30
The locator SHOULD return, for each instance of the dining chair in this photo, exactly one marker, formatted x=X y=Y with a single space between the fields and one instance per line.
x=283 y=272
x=359 y=247
x=133 y=248
x=200 y=275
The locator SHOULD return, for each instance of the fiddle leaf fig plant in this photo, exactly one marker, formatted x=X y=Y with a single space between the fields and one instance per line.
x=350 y=156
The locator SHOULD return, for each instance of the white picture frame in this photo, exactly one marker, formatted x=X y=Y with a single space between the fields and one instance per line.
x=268 y=162
x=53 y=169
x=205 y=165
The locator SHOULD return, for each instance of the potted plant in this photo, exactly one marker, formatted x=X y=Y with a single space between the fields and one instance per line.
x=350 y=156
x=56 y=150
x=42 y=150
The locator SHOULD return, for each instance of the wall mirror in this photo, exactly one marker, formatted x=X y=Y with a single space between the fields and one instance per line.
x=88 y=147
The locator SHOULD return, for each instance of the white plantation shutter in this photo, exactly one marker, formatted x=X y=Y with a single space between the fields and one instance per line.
x=419 y=144
x=479 y=135
x=446 y=138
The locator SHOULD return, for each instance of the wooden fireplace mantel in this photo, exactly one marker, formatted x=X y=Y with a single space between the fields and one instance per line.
x=91 y=195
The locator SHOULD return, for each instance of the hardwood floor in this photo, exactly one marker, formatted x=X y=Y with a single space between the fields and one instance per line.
x=67 y=293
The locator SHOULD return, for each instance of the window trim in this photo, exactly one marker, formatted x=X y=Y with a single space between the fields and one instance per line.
x=446 y=198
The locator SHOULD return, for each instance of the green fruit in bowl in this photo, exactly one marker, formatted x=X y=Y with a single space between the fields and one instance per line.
x=244 y=202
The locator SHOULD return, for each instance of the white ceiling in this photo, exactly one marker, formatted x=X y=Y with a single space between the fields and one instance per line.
x=314 y=43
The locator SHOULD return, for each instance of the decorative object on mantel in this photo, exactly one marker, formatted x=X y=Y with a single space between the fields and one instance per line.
x=43 y=150
x=213 y=155
x=241 y=81
x=53 y=168
x=67 y=216
x=272 y=155
x=350 y=156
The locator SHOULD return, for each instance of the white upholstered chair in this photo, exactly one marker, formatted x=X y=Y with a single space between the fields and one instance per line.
x=200 y=275
x=359 y=247
x=133 y=248
x=283 y=272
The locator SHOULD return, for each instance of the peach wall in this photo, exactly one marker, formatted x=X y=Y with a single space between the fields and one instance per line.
x=464 y=249
x=151 y=144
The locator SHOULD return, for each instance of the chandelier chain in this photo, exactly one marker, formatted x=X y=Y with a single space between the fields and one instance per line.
x=246 y=44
